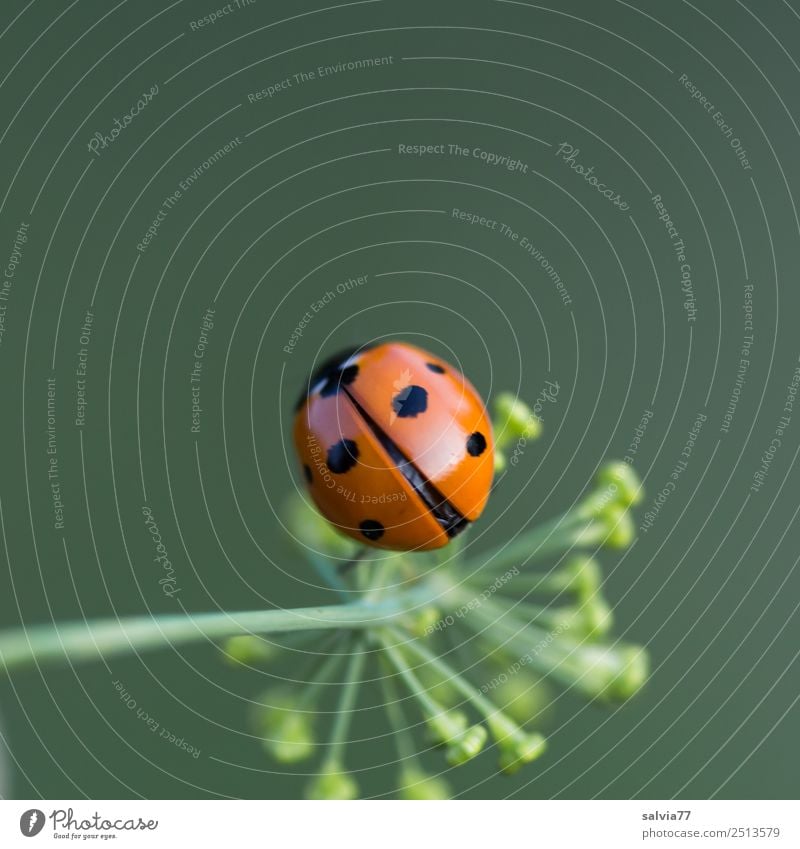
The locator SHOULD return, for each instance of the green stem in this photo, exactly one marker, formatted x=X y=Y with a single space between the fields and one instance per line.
x=554 y=582
x=522 y=636
x=344 y=712
x=594 y=668
x=412 y=682
x=92 y=640
x=319 y=678
x=397 y=719
x=385 y=570
x=553 y=537
x=479 y=702
x=549 y=617
x=327 y=571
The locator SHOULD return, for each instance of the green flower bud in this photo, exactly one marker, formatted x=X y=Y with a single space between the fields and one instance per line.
x=451 y=729
x=527 y=700
x=598 y=618
x=514 y=419
x=466 y=745
x=446 y=726
x=610 y=672
x=592 y=618
x=525 y=748
x=621 y=479
x=580 y=574
x=596 y=503
x=516 y=747
x=248 y=650
x=634 y=669
x=313 y=530
x=332 y=783
x=621 y=530
x=295 y=744
x=423 y=623
x=417 y=785
x=287 y=733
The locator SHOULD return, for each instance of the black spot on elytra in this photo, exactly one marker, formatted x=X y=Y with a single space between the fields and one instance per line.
x=476 y=444
x=337 y=379
x=307 y=473
x=435 y=368
x=327 y=368
x=410 y=402
x=371 y=529
x=342 y=456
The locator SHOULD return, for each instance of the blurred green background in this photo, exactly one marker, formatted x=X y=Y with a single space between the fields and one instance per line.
x=317 y=192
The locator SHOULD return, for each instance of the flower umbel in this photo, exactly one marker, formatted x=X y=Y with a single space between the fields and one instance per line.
x=523 y=629
x=466 y=645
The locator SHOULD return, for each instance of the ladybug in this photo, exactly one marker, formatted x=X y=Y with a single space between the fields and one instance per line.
x=396 y=446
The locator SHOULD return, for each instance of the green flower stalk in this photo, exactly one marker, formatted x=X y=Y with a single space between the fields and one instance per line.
x=579 y=575
x=447 y=728
x=516 y=746
x=285 y=720
x=592 y=618
x=602 y=519
x=84 y=641
x=413 y=782
x=519 y=632
x=611 y=671
x=333 y=781
x=318 y=536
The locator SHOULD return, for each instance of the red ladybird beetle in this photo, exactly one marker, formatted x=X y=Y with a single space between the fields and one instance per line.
x=396 y=446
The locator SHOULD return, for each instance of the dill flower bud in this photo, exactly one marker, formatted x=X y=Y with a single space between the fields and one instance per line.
x=316 y=532
x=580 y=574
x=466 y=745
x=415 y=784
x=248 y=650
x=424 y=622
x=596 y=619
x=451 y=729
x=517 y=747
x=332 y=783
x=514 y=419
x=634 y=668
x=621 y=480
x=445 y=726
x=287 y=733
x=591 y=619
x=610 y=672
x=525 y=748
x=620 y=530
x=526 y=699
